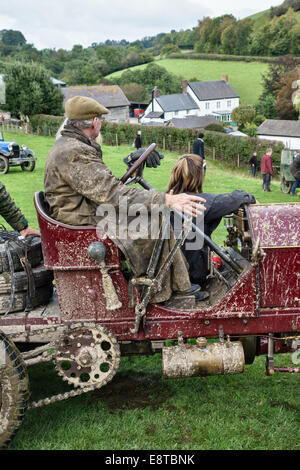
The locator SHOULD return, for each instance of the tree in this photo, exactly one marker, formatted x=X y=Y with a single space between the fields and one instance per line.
x=267 y=107
x=169 y=49
x=243 y=114
x=29 y=90
x=284 y=100
x=280 y=67
x=11 y=37
x=133 y=92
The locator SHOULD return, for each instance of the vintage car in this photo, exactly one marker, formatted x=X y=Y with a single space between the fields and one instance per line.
x=12 y=155
x=100 y=311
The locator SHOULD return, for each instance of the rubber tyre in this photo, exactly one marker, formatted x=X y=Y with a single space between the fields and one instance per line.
x=14 y=390
x=250 y=348
x=34 y=254
x=42 y=296
x=285 y=186
x=4 y=165
x=28 y=166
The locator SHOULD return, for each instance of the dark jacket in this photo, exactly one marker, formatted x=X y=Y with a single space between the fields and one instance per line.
x=217 y=206
x=10 y=212
x=253 y=161
x=198 y=147
x=138 y=142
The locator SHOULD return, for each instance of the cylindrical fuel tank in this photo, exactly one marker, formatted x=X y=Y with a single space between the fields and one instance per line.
x=203 y=359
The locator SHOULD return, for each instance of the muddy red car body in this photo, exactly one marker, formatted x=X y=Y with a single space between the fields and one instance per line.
x=265 y=299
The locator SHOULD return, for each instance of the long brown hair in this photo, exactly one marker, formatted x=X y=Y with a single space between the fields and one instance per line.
x=187 y=175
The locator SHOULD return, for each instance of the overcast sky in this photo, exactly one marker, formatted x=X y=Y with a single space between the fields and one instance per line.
x=63 y=23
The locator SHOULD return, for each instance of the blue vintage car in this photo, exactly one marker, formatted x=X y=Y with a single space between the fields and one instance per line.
x=12 y=155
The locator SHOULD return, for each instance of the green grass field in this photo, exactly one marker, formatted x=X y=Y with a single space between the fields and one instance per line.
x=139 y=410
x=244 y=77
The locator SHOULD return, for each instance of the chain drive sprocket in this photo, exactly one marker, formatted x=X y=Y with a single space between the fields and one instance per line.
x=87 y=356
x=109 y=353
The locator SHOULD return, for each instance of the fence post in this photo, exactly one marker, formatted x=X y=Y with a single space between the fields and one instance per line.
x=238 y=162
x=164 y=143
x=214 y=153
x=189 y=147
x=117 y=140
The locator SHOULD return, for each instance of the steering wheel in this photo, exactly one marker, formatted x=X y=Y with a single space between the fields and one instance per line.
x=136 y=170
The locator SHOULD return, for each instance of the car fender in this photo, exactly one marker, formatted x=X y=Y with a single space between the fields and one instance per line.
x=4 y=153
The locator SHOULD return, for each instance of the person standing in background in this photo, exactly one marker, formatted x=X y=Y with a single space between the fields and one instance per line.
x=198 y=149
x=253 y=162
x=267 y=169
x=138 y=140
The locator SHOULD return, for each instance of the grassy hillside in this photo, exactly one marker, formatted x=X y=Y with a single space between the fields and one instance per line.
x=244 y=77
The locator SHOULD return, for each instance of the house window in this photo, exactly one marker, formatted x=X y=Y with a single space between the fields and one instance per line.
x=176 y=113
x=229 y=104
x=187 y=111
x=218 y=104
x=206 y=105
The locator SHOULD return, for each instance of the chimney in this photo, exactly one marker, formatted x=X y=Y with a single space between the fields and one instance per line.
x=155 y=94
x=184 y=86
x=225 y=78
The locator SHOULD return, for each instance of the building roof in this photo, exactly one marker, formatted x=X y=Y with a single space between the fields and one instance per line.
x=154 y=115
x=213 y=90
x=176 y=102
x=109 y=96
x=282 y=128
x=193 y=122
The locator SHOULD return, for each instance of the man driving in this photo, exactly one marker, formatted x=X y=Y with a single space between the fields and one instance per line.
x=77 y=182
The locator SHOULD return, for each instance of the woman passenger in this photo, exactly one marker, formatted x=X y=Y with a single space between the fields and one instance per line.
x=188 y=177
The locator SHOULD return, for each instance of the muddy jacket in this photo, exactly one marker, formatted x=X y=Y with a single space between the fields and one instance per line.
x=10 y=212
x=77 y=182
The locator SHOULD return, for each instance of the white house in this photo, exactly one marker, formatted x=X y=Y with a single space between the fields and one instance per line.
x=287 y=132
x=213 y=98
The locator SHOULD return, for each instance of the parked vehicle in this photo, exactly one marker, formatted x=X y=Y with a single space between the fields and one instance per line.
x=287 y=178
x=12 y=155
x=102 y=312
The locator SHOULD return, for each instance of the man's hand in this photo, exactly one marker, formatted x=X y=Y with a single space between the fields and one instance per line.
x=153 y=159
x=29 y=231
x=186 y=203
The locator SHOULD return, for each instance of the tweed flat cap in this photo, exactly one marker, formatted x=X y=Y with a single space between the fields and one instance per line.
x=81 y=108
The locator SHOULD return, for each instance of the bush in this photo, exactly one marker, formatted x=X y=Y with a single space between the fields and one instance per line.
x=215 y=127
x=42 y=124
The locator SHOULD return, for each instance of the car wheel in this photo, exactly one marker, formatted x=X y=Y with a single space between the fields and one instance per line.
x=286 y=186
x=4 y=165
x=14 y=392
x=28 y=166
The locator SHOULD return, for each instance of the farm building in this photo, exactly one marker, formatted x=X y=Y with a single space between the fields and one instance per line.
x=112 y=97
x=287 y=132
x=216 y=98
